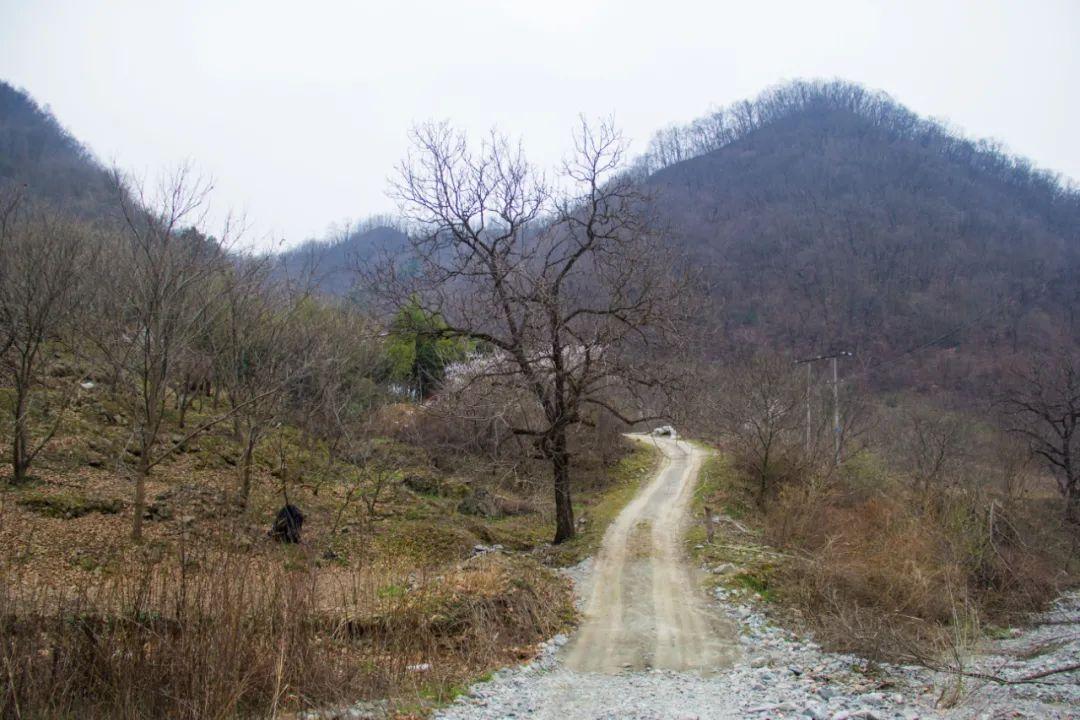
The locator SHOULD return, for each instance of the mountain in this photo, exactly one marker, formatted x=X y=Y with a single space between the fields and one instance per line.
x=825 y=216
x=36 y=152
x=332 y=264
x=48 y=164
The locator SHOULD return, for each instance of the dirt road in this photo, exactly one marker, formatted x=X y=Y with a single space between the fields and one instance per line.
x=644 y=608
x=650 y=649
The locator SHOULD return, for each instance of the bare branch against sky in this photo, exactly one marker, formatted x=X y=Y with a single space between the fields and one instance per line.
x=300 y=110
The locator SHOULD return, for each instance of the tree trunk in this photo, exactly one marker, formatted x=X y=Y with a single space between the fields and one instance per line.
x=18 y=443
x=763 y=479
x=245 y=469
x=564 y=509
x=1070 y=483
x=183 y=401
x=140 y=493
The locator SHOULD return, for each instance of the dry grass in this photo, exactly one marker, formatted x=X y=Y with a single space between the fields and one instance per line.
x=895 y=575
x=208 y=618
x=212 y=634
x=878 y=567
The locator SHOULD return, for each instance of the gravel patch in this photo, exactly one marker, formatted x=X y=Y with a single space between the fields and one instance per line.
x=1052 y=641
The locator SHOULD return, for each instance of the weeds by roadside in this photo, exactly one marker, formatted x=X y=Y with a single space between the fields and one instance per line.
x=875 y=567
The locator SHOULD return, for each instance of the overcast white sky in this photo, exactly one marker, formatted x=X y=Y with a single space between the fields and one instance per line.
x=300 y=109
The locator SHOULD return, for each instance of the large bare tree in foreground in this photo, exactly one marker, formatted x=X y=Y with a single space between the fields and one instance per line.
x=567 y=289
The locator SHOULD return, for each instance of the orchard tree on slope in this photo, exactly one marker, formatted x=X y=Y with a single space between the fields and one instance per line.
x=569 y=289
x=43 y=259
x=1042 y=405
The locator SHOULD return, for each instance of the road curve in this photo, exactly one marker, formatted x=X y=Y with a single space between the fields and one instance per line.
x=644 y=608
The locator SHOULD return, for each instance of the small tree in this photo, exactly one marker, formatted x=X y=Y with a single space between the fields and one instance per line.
x=567 y=289
x=1042 y=405
x=255 y=354
x=344 y=356
x=44 y=258
x=418 y=350
x=932 y=443
x=161 y=309
x=760 y=408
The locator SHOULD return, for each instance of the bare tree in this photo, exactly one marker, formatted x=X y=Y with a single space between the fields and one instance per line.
x=1043 y=406
x=10 y=201
x=255 y=357
x=566 y=289
x=43 y=256
x=163 y=306
x=760 y=409
x=368 y=476
x=933 y=443
x=195 y=378
x=338 y=388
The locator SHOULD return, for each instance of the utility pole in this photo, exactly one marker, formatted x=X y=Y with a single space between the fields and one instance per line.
x=836 y=412
x=836 y=397
x=807 y=408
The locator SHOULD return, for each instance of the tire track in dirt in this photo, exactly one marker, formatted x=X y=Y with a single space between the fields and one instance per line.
x=645 y=609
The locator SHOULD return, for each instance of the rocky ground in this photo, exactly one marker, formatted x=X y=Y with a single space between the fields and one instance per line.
x=1051 y=642
x=779 y=675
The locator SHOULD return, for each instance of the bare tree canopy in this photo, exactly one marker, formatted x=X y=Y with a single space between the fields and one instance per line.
x=43 y=259
x=161 y=307
x=565 y=286
x=1043 y=406
x=254 y=360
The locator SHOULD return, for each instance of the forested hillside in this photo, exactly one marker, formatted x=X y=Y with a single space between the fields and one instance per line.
x=39 y=154
x=825 y=216
x=332 y=263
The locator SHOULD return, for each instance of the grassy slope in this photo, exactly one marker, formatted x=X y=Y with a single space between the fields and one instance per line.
x=65 y=535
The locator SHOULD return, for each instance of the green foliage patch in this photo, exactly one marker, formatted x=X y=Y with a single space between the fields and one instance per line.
x=69 y=505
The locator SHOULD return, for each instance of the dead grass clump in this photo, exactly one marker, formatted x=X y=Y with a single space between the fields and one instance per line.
x=480 y=609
